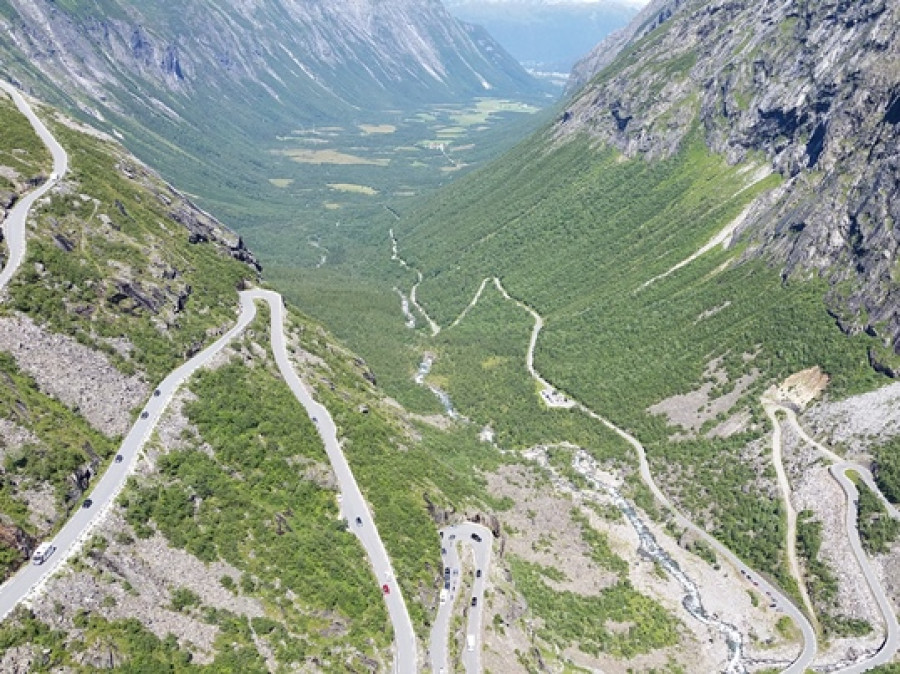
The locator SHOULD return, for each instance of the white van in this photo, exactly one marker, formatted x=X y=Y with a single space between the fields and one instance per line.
x=443 y=596
x=43 y=552
x=470 y=642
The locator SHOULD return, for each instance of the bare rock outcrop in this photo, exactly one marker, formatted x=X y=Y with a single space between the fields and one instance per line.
x=811 y=89
x=80 y=377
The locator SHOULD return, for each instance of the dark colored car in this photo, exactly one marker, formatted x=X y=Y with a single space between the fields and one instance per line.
x=156 y=392
x=144 y=415
x=119 y=458
x=87 y=503
x=446 y=584
x=474 y=601
x=359 y=521
x=476 y=538
x=478 y=573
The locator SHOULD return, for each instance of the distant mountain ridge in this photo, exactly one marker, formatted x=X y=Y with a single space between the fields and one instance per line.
x=281 y=46
x=546 y=35
x=186 y=85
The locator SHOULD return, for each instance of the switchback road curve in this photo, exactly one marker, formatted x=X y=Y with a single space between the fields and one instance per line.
x=29 y=581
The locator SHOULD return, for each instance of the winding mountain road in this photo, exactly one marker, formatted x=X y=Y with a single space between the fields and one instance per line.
x=838 y=471
x=452 y=538
x=554 y=398
x=14 y=227
x=31 y=578
x=784 y=487
x=808 y=652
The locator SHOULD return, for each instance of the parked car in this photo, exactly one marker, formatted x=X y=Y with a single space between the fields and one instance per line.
x=478 y=573
x=474 y=601
x=87 y=503
x=144 y=414
x=119 y=458
x=156 y=392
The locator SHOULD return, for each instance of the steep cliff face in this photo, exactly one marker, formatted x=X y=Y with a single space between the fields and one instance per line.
x=324 y=57
x=811 y=89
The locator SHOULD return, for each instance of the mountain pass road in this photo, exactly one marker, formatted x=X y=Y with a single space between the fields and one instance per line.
x=480 y=540
x=14 y=227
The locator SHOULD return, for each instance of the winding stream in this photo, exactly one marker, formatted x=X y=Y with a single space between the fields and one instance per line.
x=424 y=369
x=651 y=549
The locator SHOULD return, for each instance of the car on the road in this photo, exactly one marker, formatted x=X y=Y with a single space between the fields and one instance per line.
x=119 y=458
x=476 y=538
x=443 y=551
x=446 y=584
x=156 y=393
x=315 y=420
x=452 y=536
x=43 y=552
x=478 y=573
x=145 y=414
x=87 y=503
x=446 y=572
x=386 y=589
x=474 y=601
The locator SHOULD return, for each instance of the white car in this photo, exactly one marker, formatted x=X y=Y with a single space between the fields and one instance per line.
x=43 y=552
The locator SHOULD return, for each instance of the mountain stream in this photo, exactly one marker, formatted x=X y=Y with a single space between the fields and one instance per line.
x=585 y=466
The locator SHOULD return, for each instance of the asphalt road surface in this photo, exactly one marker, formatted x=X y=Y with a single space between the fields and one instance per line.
x=28 y=582
x=14 y=225
x=452 y=538
x=892 y=631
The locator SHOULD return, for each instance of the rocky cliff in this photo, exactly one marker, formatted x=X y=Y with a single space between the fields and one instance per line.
x=318 y=59
x=811 y=89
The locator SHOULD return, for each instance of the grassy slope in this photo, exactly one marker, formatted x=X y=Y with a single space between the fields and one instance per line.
x=264 y=445
x=140 y=244
x=575 y=232
x=20 y=147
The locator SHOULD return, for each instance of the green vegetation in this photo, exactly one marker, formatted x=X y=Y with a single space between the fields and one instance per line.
x=887 y=471
x=877 y=529
x=259 y=502
x=128 y=646
x=598 y=542
x=64 y=443
x=20 y=147
x=822 y=583
x=440 y=469
x=89 y=276
x=577 y=236
x=567 y=619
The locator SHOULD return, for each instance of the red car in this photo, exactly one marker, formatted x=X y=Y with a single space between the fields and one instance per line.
x=386 y=589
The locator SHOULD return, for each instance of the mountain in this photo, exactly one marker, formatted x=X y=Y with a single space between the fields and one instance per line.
x=198 y=90
x=603 y=53
x=803 y=100
x=226 y=547
x=706 y=226
x=545 y=36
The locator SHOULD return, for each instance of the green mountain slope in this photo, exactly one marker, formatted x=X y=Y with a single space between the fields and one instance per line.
x=594 y=224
